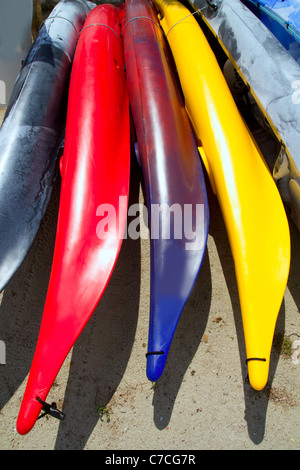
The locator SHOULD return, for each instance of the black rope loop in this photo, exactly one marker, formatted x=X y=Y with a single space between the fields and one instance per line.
x=151 y=353
x=256 y=359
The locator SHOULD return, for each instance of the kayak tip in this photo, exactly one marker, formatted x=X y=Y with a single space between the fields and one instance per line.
x=28 y=417
x=258 y=371
x=24 y=425
x=156 y=361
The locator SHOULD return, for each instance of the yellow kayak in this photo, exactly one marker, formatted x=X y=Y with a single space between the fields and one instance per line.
x=252 y=208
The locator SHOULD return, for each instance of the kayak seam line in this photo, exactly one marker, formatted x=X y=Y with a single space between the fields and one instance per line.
x=54 y=18
x=101 y=24
x=182 y=19
x=142 y=18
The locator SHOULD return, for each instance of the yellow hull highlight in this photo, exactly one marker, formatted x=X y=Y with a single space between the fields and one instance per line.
x=251 y=205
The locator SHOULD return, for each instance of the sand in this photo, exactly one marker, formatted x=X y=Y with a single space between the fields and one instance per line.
x=203 y=400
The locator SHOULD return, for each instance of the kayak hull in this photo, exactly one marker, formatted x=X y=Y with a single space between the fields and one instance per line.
x=172 y=174
x=95 y=171
x=272 y=77
x=255 y=219
x=32 y=133
x=282 y=19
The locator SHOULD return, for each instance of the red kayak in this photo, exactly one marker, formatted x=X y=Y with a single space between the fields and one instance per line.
x=95 y=171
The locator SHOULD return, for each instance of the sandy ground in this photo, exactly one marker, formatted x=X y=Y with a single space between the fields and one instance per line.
x=203 y=400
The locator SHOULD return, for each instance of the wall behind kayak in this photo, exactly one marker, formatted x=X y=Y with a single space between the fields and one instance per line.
x=15 y=41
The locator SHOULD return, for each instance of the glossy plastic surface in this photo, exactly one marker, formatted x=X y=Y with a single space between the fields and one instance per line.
x=253 y=212
x=241 y=34
x=172 y=175
x=32 y=132
x=95 y=171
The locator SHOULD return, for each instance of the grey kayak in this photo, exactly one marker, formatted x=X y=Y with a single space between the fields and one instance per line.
x=32 y=133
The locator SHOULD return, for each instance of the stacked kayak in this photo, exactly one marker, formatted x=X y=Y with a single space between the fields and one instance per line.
x=172 y=172
x=282 y=18
x=253 y=212
x=95 y=171
x=158 y=64
x=273 y=77
x=32 y=133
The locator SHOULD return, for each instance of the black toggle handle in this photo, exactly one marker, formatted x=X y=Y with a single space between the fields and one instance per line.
x=50 y=410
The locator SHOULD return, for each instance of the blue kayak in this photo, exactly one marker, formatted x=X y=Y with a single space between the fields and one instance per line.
x=282 y=18
x=173 y=177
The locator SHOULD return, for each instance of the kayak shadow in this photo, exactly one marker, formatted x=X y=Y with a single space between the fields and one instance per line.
x=22 y=304
x=187 y=337
x=256 y=402
x=101 y=353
